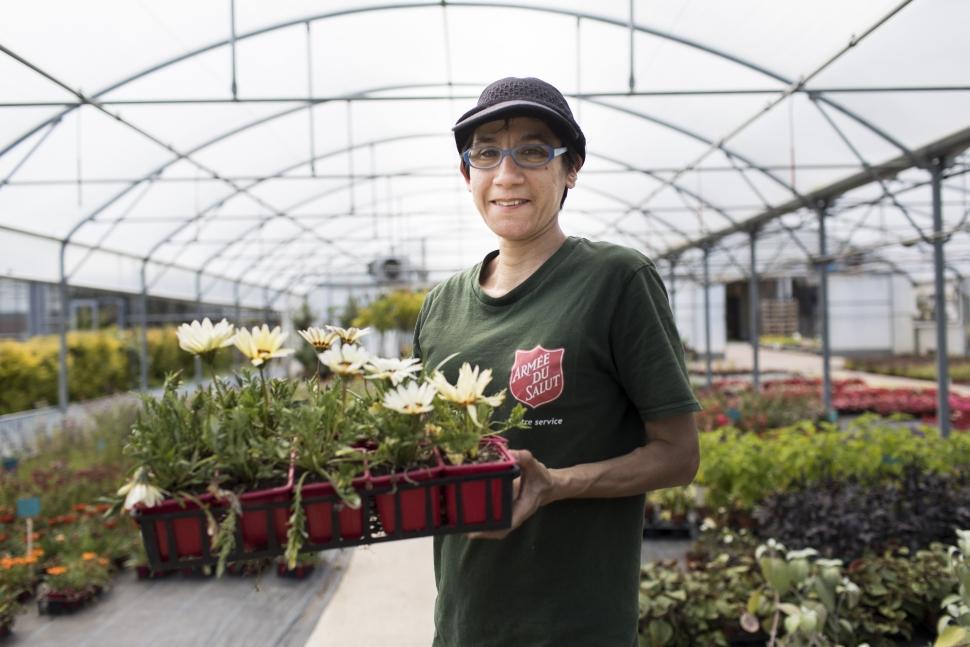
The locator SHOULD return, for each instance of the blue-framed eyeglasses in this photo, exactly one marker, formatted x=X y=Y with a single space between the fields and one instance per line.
x=525 y=155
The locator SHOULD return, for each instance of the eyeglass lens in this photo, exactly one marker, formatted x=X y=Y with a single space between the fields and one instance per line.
x=527 y=155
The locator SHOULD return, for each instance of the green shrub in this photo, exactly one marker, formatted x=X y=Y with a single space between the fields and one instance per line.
x=397 y=310
x=920 y=368
x=898 y=594
x=739 y=470
x=99 y=363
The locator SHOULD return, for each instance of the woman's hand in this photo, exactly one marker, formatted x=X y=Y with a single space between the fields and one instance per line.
x=535 y=487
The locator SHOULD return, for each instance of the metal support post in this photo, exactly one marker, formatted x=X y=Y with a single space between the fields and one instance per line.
x=197 y=361
x=238 y=317
x=707 y=318
x=754 y=310
x=266 y=304
x=143 y=336
x=823 y=304
x=232 y=46
x=62 y=392
x=942 y=357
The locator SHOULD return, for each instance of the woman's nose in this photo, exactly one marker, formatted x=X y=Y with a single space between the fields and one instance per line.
x=508 y=171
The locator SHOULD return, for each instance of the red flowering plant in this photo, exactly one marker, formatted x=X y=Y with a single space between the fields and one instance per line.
x=735 y=403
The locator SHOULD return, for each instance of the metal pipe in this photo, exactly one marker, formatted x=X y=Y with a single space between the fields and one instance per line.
x=266 y=302
x=309 y=82
x=686 y=92
x=823 y=303
x=197 y=362
x=143 y=337
x=942 y=357
x=232 y=44
x=754 y=310
x=707 y=319
x=62 y=392
x=238 y=315
x=632 y=79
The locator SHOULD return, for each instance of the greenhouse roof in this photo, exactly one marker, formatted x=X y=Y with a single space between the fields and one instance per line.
x=190 y=146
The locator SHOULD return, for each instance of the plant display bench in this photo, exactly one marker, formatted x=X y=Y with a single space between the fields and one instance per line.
x=431 y=501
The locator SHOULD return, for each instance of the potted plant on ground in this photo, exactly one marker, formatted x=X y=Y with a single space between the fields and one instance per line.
x=70 y=585
x=954 y=627
x=9 y=607
x=18 y=574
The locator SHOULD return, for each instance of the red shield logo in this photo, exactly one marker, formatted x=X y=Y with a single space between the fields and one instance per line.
x=536 y=377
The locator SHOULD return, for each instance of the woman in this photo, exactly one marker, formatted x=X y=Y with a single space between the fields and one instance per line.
x=582 y=334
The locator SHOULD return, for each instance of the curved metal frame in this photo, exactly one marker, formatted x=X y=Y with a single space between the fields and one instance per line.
x=929 y=159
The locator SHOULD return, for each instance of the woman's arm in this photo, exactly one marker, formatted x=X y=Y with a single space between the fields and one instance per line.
x=670 y=458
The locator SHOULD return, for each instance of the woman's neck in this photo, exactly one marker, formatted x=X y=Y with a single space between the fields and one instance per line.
x=517 y=261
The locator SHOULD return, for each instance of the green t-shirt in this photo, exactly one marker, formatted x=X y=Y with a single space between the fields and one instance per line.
x=588 y=344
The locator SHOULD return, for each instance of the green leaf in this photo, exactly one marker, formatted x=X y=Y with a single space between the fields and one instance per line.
x=660 y=632
x=754 y=600
x=678 y=595
x=951 y=637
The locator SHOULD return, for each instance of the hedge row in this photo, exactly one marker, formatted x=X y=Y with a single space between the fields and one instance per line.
x=740 y=469
x=99 y=363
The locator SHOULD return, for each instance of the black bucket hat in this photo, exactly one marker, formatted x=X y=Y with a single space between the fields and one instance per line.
x=531 y=97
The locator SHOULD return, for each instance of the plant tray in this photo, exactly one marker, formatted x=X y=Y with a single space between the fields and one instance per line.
x=392 y=508
x=63 y=602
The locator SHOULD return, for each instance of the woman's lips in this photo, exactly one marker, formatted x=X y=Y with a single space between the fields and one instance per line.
x=510 y=202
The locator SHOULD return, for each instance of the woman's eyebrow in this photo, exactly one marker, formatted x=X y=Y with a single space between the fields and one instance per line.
x=488 y=138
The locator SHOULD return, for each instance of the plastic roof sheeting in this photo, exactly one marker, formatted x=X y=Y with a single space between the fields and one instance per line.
x=121 y=139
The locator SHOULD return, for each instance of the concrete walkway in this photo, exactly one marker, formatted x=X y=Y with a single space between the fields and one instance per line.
x=264 y=611
x=385 y=597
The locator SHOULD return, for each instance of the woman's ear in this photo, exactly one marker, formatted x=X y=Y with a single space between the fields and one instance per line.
x=573 y=173
x=465 y=174
x=571 y=178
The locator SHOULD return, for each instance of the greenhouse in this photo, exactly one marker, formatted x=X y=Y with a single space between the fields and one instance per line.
x=795 y=172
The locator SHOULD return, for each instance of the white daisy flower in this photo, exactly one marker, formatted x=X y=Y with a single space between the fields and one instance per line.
x=262 y=344
x=395 y=370
x=411 y=398
x=345 y=359
x=470 y=389
x=203 y=338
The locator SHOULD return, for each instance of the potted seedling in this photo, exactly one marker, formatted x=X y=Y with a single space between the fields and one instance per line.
x=470 y=443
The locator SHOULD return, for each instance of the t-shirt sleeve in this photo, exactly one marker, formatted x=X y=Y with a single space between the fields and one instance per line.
x=646 y=348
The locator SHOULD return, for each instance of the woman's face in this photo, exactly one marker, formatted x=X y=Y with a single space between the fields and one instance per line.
x=519 y=204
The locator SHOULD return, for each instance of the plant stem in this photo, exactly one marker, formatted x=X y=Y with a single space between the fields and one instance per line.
x=210 y=360
x=774 y=622
x=262 y=378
